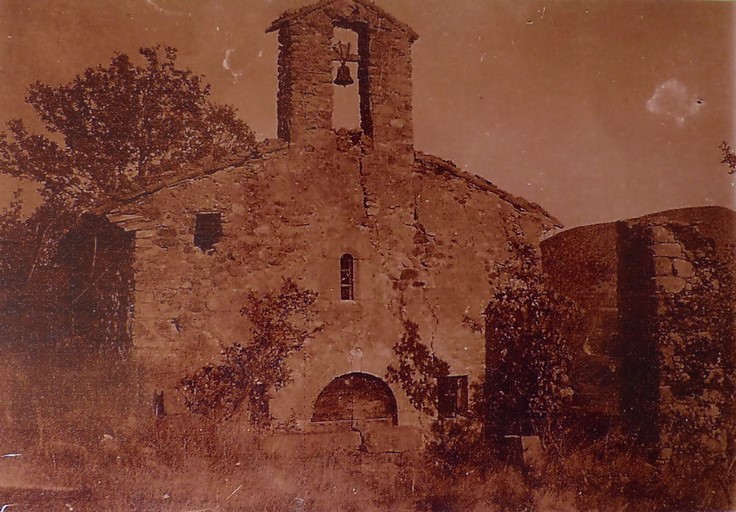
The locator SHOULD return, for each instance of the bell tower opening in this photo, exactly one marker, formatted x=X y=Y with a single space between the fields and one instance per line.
x=350 y=107
x=345 y=64
x=346 y=97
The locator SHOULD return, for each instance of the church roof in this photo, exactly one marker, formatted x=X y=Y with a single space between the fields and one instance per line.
x=446 y=167
x=193 y=171
x=270 y=147
x=295 y=14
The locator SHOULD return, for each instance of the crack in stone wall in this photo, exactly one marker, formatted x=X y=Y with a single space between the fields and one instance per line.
x=420 y=258
x=421 y=231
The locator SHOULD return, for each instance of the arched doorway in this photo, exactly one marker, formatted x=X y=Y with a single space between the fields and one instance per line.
x=356 y=396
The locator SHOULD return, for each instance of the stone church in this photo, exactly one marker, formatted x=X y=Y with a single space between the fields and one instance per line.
x=382 y=232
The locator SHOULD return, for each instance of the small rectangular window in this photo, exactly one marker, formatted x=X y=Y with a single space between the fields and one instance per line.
x=452 y=396
x=207 y=230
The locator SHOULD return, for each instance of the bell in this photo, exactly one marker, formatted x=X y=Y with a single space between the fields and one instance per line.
x=343 y=76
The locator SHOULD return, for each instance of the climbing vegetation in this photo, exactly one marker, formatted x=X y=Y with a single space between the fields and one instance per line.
x=280 y=325
x=417 y=369
x=529 y=334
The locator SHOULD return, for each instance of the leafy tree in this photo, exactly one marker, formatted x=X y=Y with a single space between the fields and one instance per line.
x=11 y=222
x=279 y=328
x=729 y=157
x=109 y=131
x=121 y=126
x=529 y=329
x=27 y=298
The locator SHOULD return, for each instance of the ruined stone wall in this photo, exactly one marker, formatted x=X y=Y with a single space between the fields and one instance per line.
x=606 y=273
x=681 y=336
x=425 y=259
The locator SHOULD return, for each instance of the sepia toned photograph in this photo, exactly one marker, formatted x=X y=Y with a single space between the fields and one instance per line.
x=367 y=256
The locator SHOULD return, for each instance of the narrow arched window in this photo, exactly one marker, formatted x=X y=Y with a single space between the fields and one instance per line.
x=347 y=277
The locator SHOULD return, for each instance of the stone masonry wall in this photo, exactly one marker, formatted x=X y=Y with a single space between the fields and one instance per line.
x=695 y=337
x=608 y=269
x=425 y=236
x=305 y=100
x=305 y=83
x=687 y=324
x=425 y=259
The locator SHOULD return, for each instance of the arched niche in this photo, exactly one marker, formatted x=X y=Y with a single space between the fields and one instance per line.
x=356 y=396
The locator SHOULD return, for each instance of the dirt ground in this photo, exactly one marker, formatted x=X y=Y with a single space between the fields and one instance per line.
x=334 y=482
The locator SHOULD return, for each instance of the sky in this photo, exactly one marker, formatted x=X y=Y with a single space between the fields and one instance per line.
x=596 y=109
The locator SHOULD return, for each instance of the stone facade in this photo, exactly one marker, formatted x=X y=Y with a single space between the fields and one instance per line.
x=422 y=234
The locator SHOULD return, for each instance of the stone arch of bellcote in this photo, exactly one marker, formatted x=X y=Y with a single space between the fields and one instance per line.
x=305 y=67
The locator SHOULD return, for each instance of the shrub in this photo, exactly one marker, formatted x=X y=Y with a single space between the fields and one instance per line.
x=248 y=371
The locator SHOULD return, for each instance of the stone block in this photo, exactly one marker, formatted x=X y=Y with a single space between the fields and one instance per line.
x=668 y=355
x=524 y=451
x=676 y=339
x=671 y=284
x=662 y=266
x=666 y=454
x=668 y=250
x=661 y=234
x=683 y=268
x=382 y=439
x=714 y=443
x=532 y=451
